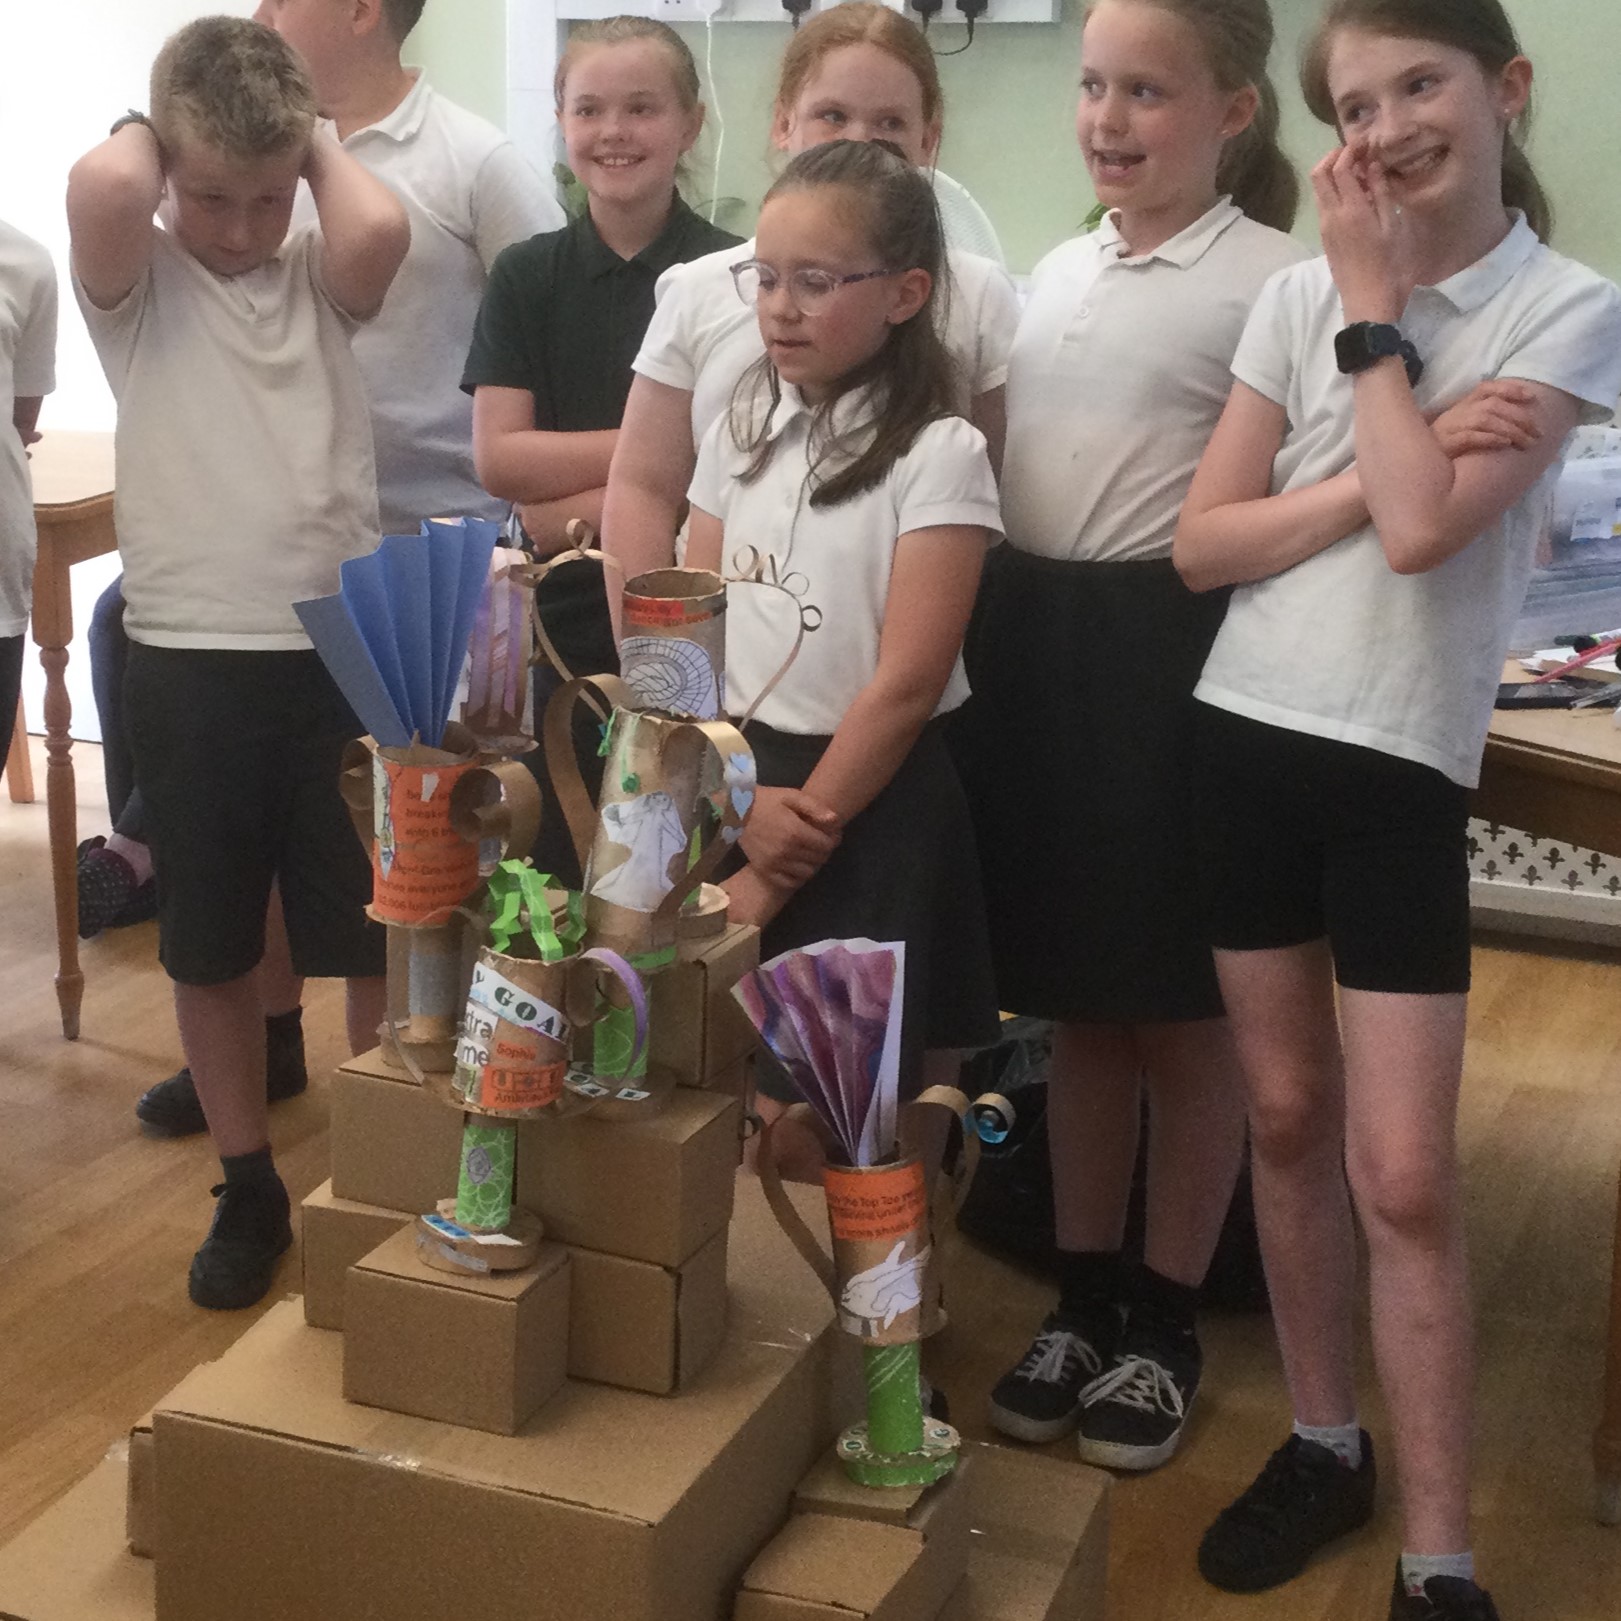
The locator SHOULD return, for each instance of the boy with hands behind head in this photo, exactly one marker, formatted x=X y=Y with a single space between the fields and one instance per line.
x=246 y=477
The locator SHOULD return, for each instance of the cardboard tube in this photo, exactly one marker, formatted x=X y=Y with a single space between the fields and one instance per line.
x=484 y=1190
x=673 y=653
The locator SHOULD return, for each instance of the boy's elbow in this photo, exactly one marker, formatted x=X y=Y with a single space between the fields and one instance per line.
x=1416 y=549
x=1187 y=559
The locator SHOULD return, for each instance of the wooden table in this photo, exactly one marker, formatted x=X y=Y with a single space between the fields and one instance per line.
x=1557 y=773
x=73 y=506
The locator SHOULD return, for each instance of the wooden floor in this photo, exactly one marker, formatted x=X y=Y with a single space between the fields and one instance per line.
x=97 y=1224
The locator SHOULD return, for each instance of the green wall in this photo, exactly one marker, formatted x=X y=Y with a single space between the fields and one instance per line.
x=1010 y=99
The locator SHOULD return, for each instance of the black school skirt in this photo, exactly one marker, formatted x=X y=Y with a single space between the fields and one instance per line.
x=905 y=869
x=1076 y=753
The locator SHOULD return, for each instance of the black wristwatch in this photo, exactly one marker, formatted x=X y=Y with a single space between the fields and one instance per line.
x=131 y=117
x=1366 y=343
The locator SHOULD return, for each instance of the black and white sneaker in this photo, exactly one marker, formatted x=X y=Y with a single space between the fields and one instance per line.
x=1305 y=1498
x=1040 y=1400
x=1444 y=1598
x=1132 y=1416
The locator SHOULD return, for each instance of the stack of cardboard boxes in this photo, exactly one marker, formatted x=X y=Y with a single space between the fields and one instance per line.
x=637 y=1428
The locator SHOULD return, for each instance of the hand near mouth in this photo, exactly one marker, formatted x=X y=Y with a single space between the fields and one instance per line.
x=1366 y=236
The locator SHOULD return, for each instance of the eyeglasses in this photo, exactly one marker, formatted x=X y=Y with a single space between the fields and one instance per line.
x=808 y=287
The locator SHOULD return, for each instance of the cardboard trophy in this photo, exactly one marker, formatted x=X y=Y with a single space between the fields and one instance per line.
x=672 y=655
x=530 y=986
x=501 y=652
x=675 y=792
x=832 y=1014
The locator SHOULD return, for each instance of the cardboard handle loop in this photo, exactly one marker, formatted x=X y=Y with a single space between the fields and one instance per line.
x=562 y=765
x=585 y=548
x=756 y=568
x=499 y=801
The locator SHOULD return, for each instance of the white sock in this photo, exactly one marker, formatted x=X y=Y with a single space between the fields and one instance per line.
x=1417 y=1568
x=1343 y=1440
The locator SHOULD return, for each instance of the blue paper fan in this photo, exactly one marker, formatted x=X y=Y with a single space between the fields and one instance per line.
x=395 y=635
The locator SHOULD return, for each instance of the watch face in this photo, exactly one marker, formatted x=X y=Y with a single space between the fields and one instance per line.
x=1360 y=346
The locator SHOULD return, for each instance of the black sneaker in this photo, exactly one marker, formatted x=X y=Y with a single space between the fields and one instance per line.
x=1040 y=1400
x=1132 y=1416
x=1445 y=1598
x=1300 y=1502
x=252 y=1229
x=172 y=1108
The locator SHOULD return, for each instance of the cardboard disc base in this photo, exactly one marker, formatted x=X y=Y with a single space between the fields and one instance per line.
x=934 y=1460
x=448 y=1247
x=704 y=914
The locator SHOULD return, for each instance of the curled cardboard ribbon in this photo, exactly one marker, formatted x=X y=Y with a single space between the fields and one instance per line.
x=866 y=1225
x=755 y=568
x=531 y=574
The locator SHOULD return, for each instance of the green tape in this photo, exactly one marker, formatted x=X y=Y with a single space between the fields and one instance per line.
x=894 y=1404
x=523 y=912
x=484 y=1190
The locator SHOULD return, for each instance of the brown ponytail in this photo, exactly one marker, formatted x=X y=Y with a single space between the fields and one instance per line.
x=1479 y=27
x=1237 y=37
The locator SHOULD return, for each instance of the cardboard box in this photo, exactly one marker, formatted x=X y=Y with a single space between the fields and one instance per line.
x=654 y=1189
x=610 y=1503
x=698 y=1030
x=823 y=1568
x=141 y=1495
x=1034 y=1531
x=646 y=1327
x=394 y=1144
x=336 y=1234
x=1040 y=1544
x=484 y=1351
x=939 y=1517
x=71 y=1563
x=737 y=1081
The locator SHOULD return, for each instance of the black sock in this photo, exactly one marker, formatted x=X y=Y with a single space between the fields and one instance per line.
x=257 y=1169
x=1170 y=1306
x=1088 y=1280
x=284 y=1052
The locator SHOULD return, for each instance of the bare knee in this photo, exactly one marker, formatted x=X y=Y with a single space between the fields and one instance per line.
x=1292 y=1127
x=1409 y=1197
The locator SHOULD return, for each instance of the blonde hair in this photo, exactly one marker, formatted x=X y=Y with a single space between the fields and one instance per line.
x=233 y=85
x=1479 y=27
x=620 y=31
x=861 y=22
x=1237 y=39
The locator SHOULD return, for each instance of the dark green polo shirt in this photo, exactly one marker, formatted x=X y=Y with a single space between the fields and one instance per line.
x=564 y=316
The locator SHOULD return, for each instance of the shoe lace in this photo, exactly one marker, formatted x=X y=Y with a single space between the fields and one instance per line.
x=1053 y=1357
x=1140 y=1382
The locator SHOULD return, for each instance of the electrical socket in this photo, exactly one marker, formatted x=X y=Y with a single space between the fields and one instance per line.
x=686 y=11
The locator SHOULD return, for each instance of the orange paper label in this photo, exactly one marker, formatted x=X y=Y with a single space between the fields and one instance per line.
x=875 y=1206
x=667 y=611
x=501 y=1090
x=422 y=868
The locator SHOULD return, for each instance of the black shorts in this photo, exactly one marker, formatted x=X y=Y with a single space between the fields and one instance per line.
x=1303 y=837
x=236 y=758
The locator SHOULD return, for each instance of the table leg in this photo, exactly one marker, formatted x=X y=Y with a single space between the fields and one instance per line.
x=62 y=816
x=1607 y=1440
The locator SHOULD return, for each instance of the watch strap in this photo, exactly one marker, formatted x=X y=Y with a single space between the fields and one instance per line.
x=131 y=117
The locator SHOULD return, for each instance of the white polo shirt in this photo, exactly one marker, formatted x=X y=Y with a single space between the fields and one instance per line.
x=1119 y=373
x=27 y=369
x=245 y=471
x=844 y=555
x=703 y=337
x=469 y=193
x=1340 y=646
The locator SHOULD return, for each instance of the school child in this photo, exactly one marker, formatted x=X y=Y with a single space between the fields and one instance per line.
x=246 y=479
x=1343 y=711
x=1083 y=665
x=841 y=460
x=857 y=71
x=468 y=194
x=27 y=375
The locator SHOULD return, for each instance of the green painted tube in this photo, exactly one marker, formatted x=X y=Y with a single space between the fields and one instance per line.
x=894 y=1405
x=484 y=1190
x=613 y=1038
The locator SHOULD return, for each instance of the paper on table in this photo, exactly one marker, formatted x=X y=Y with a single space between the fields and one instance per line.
x=1550 y=658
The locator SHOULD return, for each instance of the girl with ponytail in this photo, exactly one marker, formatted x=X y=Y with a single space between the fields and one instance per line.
x=1376 y=554
x=1118 y=374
